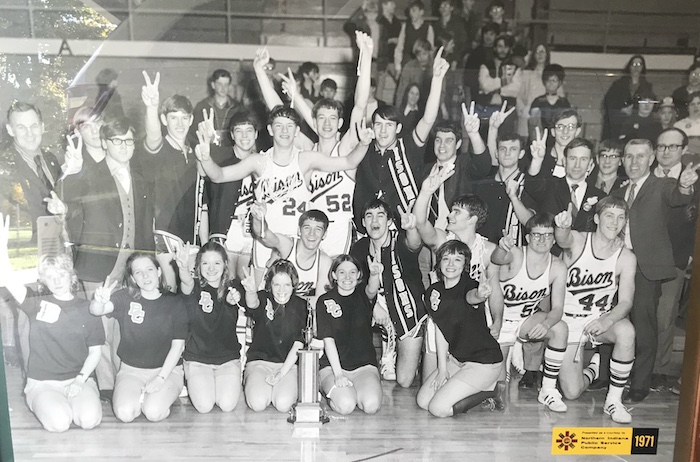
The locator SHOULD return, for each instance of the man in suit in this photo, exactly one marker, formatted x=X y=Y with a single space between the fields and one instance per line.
x=29 y=173
x=650 y=200
x=109 y=215
x=558 y=194
x=671 y=145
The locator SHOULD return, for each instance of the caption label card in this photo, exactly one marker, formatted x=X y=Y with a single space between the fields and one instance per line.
x=604 y=440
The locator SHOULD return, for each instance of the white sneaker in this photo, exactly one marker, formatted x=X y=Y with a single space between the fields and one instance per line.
x=551 y=398
x=387 y=367
x=618 y=412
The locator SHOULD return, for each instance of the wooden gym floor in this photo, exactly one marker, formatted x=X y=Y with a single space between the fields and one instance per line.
x=399 y=432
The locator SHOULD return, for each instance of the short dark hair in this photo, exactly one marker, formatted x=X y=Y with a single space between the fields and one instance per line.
x=507 y=39
x=328 y=104
x=570 y=112
x=509 y=136
x=695 y=65
x=282 y=266
x=337 y=261
x=475 y=206
x=314 y=215
x=421 y=45
x=387 y=112
x=676 y=130
x=217 y=74
x=490 y=27
x=541 y=220
x=553 y=69
x=176 y=103
x=377 y=204
x=610 y=145
x=329 y=83
x=106 y=76
x=244 y=117
x=115 y=126
x=283 y=111
x=445 y=126
x=579 y=142
x=416 y=3
x=307 y=67
x=452 y=247
x=20 y=106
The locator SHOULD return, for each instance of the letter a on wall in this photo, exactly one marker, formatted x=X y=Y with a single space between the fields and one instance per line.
x=65 y=47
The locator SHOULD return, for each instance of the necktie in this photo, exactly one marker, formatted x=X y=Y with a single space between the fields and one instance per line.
x=574 y=208
x=666 y=171
x=40 y=172
x=630 y=198
x=602 y=186
x=124 y=179
x=435 y=204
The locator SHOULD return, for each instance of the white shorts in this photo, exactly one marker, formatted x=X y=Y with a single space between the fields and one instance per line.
x=509 y=331
x=338 y=238
x=238 y=239
x=576 y=326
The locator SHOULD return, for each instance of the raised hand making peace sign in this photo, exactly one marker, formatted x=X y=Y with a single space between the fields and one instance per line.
x=471 y=119
x=437 y=177
x=74 y=154
x=538 y=147
x=149 y=92
x=498 y=117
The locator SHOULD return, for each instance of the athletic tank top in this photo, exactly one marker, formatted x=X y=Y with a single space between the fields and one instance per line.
x=307 y=277
x=590 y=283
x=332 y=192
x=521 y=293
x=246 y=196
x=284 y=190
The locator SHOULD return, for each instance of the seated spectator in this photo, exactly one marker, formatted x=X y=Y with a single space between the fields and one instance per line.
x=471 y=21
x=498 y=78
x=681 y=95
x=450 y=34
x=481 y=54
x=414 y=29
x=619 y=99
x=411 y=108
x=691 y=124
x=391 y=29
x=545 y=109
x=328 y=89
x=307 y=75
x=495 y=13
x=666 y=113
x=642 y=123
x=417 y=71
x=533 y=85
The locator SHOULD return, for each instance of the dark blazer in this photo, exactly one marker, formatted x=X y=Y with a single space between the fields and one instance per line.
x=621 y=178
x=95 y=219
x=554 y=195
x=648 y=217
x=468 y=168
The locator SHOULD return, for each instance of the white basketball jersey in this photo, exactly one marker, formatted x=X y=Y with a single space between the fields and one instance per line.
x=590 y=283
x=332 y=193
x=521 y=293
x=307 y=277
x=284 y=190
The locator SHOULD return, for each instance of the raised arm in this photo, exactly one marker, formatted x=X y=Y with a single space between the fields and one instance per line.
x=262 y=58
x=408 y=224
x=101 y=303
x=151 y=99
x=364 y=72
x=521 y=211
x=182 y=258
x=432 y=104
x=567 y=238
x=251 y=165
x=495 y=121
x=429 y=235
x=262 y=232
x=313 y=160
x=374 y=282
x=505 y=251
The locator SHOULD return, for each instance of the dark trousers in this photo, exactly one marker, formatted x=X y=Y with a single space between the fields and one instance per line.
x=643 y=317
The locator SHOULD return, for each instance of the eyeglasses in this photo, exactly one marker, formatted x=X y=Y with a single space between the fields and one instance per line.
x=608 y=156
x=542 y=236
x=118 y=142
x=670 y=147
x=565 y=127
